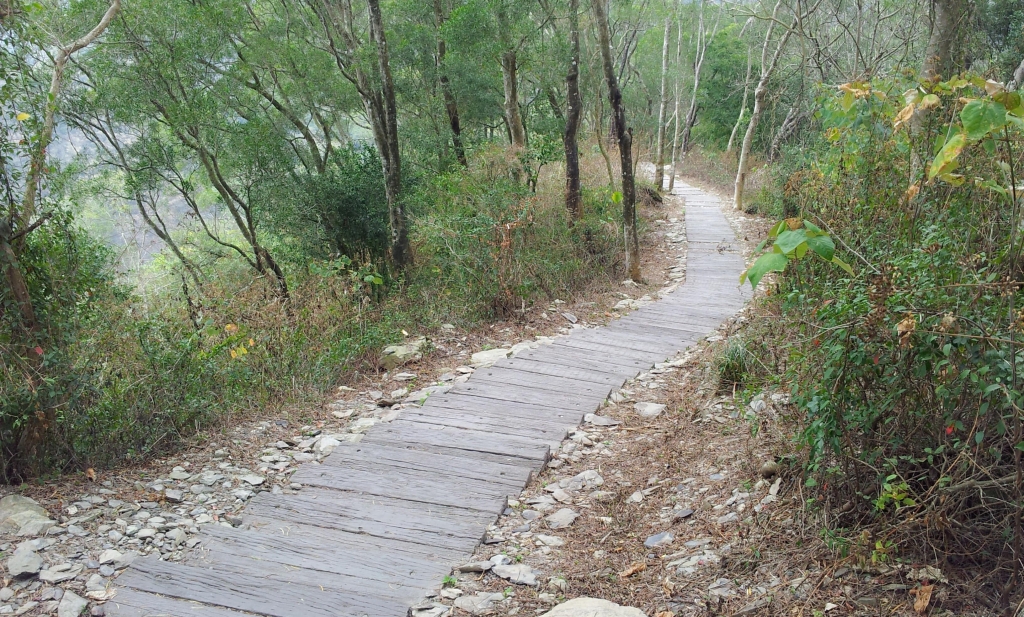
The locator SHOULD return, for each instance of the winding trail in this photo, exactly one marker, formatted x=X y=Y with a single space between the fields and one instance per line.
x=382 y=521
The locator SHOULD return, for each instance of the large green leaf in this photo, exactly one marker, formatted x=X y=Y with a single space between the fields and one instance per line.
x=771 y=262
x=945 y=160
x=981 y=117
x=788 y=240
x=823 y=246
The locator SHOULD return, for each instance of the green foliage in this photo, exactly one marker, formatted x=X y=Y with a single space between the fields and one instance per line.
x=794 y=238
x=491 y=246
x=907 y=371
x=346 y=204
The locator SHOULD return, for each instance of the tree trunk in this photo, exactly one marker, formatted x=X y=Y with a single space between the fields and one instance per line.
x=659 y=172
x=510 y=81
x=743 y=107
x=789 y=126
x=38 y=158
x=675 y=141
x=760 y=94
x=574 y=109
x=945 y=37
x=703 y=41
x=625 y=139
x=450 y=105
x=401 y=251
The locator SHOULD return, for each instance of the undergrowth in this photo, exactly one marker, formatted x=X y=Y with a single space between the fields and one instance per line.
x=906 y=375
x=128 y=374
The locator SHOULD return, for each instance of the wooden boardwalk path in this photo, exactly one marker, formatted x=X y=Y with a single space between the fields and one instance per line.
x=382 y=521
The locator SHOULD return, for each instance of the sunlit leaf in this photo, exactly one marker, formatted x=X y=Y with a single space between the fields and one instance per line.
x=789 y=240
x=981 y=117
x=772 y=262
x=947 y=155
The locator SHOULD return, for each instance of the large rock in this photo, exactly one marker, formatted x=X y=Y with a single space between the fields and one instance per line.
x=24 y=562
x=593 y=607
x=23 y=516
x=71 y=605
x=398 y=355
x=483 y=359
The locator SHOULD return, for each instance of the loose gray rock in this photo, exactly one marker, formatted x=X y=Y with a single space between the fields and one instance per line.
x=731 y=517
x=552 y=541
x=429 y=609
x=649 y=410
x=110 y=556
x=520 y=574
x=479 y=603
x=722 y=588
x=661 y=539
x=588 y=479
x=60 y=573
x=71 y=605
x=597 y=420
x=252 y=479
x=593 y=607
x=24 y=563
x=562 y=519
x=476 y=566
x=681 y=514
x=173 y=495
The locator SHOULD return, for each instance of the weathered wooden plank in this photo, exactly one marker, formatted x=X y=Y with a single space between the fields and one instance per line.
x=371 y=478
x=369 y=568
x=514 y=376
x=281 y=592
x=478 y=422
x=556 y=370
x=649 y=345
x=473 y=444
x=543 y=415
x=622 y=368
x=621 y=345
x=442 y=528
x=131 y=603
x=526 y=394
x=401 y=459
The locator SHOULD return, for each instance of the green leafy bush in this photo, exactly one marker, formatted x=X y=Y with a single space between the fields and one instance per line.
x=908 y=372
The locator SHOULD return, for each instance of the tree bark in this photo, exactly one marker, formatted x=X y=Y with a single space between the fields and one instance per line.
x=38 y=159
x=743 y=107
x=401 y=251
x=574 y=109
x=946 y=35
x=703 y=41
x=510 y=81
x=659 y=172
x=760 y=94
x=450 y=104
x=624 y=135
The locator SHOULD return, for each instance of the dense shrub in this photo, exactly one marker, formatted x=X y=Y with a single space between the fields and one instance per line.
x=908 y=372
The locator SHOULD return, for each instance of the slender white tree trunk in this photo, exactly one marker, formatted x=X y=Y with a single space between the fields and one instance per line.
x=659 y=173
x=743 y=107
